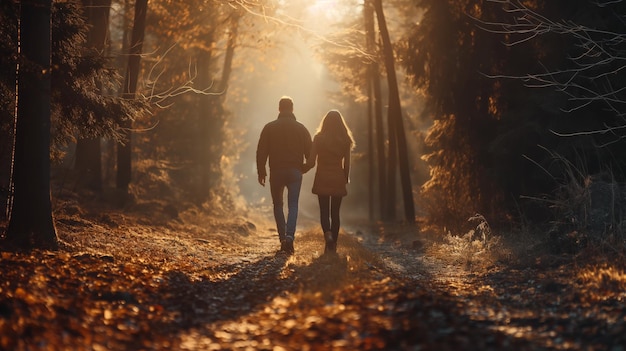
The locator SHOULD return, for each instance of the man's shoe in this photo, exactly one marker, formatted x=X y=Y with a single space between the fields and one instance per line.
x=330 y=249
x=286 y=247
x=283 y=247
x=289 y=247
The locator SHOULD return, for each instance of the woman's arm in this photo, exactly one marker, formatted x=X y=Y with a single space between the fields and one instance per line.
x=346 y=165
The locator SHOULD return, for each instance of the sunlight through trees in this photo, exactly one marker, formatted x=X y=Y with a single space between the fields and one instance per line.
x=486 y=200
x=442 y=131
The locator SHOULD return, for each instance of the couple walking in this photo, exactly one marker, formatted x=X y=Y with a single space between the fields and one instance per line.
x=287 y=143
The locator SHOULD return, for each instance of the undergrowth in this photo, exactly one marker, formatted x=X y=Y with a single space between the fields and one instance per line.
x=478 y=247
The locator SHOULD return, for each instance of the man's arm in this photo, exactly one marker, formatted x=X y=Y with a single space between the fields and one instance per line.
x=262 y=153
x=308 y=145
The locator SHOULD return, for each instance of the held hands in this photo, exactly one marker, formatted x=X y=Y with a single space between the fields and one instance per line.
x=306 y=167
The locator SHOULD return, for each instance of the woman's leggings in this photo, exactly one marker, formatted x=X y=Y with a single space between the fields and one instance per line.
x=329 y=214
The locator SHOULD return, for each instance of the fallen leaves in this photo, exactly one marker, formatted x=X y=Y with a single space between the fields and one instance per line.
x=124 y=285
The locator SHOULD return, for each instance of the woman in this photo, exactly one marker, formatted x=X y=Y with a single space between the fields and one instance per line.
x=331 y=149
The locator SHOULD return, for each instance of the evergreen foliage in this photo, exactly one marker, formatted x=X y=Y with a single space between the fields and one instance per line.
x=490 y=134
x=188 y=76
x=78 y=109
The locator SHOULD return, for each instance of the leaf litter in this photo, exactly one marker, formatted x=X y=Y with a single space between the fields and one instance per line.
x=216 y=283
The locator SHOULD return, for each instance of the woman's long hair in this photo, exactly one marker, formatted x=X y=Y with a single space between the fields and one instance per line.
x=334 y=131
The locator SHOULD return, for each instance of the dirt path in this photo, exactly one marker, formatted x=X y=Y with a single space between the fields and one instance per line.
x=545 y=302
x=372 y=295
x=208 y=284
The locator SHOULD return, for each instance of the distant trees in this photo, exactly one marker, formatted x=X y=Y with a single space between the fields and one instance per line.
x=396 y=132
x=471 y=61
x=364 y=61
x=129 y=90
x=487 y=144
x=376 y=131
x=88 y=152
x=447 y=56
x=593 y=72
x=199 y=50
x=85 y=83
x=84 y=101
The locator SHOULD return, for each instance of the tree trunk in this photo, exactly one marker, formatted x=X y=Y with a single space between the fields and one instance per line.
x=9 y=15
x=205 y=137
x=368 y=16
x=230 y=54
x=370 y=147
x=392 y=163
x=214 y=120
x=124 y=154
x=375 y=97
x=31 y=224
x=395 y=115
x=88 y=153
x=380 y=139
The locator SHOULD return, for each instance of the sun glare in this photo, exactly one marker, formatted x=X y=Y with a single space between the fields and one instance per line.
x=329 y=9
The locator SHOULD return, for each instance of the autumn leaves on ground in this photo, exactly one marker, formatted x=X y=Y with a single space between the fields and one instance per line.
x=143 y=279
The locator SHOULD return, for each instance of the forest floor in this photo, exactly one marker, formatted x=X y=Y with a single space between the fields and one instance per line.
x=149 y=278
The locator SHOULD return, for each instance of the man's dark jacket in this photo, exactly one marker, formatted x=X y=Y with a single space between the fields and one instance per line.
x=285 y=141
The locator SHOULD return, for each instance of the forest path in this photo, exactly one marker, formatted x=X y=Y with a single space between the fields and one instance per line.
x=132 y=281
x=409 y=299
x=375 y=294
x=539 y=302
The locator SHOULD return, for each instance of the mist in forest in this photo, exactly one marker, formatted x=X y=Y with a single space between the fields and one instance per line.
x=206 y=85
x=298 y=73
x=460 y=139
x=302 y=78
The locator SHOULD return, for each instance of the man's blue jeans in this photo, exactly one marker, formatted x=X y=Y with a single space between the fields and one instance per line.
x=291 y=179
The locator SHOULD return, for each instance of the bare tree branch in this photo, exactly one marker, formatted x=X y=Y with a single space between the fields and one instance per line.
x=601 y=59
x=260 y=10
x=159 y=98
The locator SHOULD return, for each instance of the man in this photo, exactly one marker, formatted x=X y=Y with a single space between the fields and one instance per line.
x=287 y=143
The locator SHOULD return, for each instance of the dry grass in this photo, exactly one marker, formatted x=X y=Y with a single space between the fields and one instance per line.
x=478 y=248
